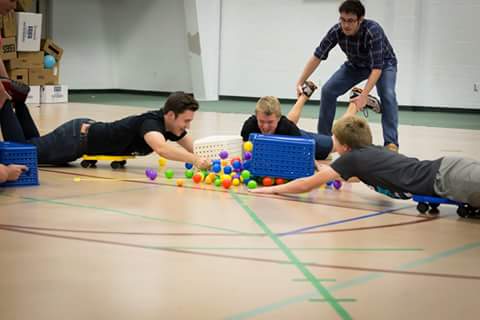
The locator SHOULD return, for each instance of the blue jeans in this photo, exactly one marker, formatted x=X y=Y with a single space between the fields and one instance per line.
x=62 y=145
x=323 y=144
x=343 y=80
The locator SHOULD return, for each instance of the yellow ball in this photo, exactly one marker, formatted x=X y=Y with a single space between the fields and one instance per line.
x=179 y=182
x=226 y=177
x=208 y=180
x=235 y=182
x=225 y=163
x=212 y=176
x=162 y=162
x=248 y=146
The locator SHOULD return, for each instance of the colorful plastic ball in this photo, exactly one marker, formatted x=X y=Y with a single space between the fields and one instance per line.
x=212 y=176
x=226 y=183
x=179 y=182
x=247 y=164
x=162 y=162
x=236 y=182
x=223 y=154
x=337 y=184
x=188 y=165
x=329 y=183
x=246 y=174
x=151 y=174
x=169 y=173
x=49 y=61
x=208 y=180
x=267 y=181
x=252 y=184
x=235 y=159
x=248 y=146
x=227 y=170
x=226 y=177
x=216 y=168
x=224 y=162
x=197 y=177
x=218 y=182
x=280 y=181
x=188 y=174
x=247 y=155
x=236 y=164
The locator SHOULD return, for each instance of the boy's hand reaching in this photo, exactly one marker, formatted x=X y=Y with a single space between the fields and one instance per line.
x=15 y=170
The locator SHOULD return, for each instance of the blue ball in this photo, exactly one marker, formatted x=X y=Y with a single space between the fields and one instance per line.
x=49 y=61
x=188 y=165
x=227 y=169
x=216 y=168
x=246 y=165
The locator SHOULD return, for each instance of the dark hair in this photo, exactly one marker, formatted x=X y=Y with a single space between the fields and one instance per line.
x=179 y=102
x=352 y=6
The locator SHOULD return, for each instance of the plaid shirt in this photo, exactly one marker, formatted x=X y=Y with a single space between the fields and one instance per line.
x=369 y=47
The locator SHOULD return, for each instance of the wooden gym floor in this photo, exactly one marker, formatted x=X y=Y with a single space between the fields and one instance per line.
x=104 y=244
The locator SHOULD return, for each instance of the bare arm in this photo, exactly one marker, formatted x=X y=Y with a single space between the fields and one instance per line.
x=310 y=67
x=187 y=143
x=296 y=111
x=157 y=142
x=361 y=100
x=325 y=174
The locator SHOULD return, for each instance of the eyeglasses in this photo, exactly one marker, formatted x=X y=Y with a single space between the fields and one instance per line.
x=347 y=21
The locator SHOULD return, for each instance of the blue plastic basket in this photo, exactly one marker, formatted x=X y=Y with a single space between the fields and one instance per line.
x=17 y=153
x=282 y=156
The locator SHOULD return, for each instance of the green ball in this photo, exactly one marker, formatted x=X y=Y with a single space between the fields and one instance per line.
x=252 y=184
x=169 y=173
x=246 y=174
x=218 y=182
x=188 y=174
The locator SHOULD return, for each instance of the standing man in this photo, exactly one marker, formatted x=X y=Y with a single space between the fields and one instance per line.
x=369 y=56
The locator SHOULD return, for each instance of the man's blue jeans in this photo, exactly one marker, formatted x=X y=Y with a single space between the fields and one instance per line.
x=343 y=80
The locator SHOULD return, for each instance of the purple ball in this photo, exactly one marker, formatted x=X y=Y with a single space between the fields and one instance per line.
x=337 y=184
x=223 y=154
x=247 y=155
x=151 y=174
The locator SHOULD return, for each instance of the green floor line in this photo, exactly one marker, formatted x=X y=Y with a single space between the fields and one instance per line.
x=360 y=280
x=300 y=266
x=128 y=214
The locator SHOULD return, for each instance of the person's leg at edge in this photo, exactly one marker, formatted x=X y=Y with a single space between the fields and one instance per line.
x=339 y=83
x=30 y=130
x=11 y=128
x=386 y=92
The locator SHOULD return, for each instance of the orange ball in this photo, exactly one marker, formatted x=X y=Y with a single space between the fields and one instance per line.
x=267 y=181
x=226 y=183
x=280 y=181
x=197 y=177
x=179 y=182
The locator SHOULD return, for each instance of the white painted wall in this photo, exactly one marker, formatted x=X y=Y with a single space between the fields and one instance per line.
x=264 y=45
x=137 y=45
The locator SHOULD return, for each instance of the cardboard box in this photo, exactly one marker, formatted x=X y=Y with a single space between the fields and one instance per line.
x=29 y=31
x=9 y=25
x=54 y=94
x=19 y=75
x=52 y=48
x=24 y=5
x=40 y=77
x=33 y=95
x=26 y=60
x=9 y=48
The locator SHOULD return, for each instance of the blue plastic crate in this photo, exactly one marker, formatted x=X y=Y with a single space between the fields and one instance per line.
x=18 y=153
x=282 y=156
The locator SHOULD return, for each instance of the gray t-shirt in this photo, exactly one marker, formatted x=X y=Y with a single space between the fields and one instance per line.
x=387 y=172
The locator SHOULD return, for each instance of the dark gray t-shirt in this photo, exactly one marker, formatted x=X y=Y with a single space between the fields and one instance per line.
x=387 y=172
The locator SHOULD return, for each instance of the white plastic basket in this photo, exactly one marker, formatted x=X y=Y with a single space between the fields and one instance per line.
x=210 y=147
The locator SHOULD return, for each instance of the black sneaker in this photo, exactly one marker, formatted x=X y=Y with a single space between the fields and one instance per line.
x=372 y=102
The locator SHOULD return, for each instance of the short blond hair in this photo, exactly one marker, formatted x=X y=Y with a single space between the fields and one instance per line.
x=268 y=105
x=353 y=131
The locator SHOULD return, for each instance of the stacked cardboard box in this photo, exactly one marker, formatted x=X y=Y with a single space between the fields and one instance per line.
x=23 y=52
